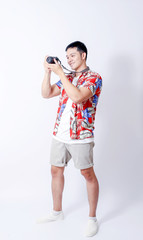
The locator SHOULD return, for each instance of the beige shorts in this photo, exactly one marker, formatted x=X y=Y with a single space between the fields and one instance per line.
x=81 y=153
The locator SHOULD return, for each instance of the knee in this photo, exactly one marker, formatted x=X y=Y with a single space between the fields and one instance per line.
x=88 y=175
x=57 y=171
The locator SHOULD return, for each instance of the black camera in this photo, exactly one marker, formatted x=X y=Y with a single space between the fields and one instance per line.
x=51 y=60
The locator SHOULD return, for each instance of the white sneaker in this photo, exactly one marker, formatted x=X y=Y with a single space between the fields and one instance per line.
x=92 y=228
x=51 y=217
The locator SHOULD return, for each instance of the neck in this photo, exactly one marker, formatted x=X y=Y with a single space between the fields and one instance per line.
x=79 y=69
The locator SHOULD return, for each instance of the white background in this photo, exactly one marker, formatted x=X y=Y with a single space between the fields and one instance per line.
x=113 y=33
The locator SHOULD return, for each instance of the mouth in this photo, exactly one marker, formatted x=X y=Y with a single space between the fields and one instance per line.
x=71 y=64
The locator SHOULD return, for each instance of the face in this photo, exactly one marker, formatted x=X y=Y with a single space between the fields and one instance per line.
x=74 y=58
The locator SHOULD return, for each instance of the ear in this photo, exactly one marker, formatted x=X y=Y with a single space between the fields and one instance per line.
x=84 y=56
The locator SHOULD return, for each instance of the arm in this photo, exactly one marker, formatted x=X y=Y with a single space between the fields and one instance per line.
x=48 y=90
x=76 y=95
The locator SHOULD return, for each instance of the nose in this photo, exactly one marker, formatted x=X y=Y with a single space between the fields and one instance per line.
x=69 y=60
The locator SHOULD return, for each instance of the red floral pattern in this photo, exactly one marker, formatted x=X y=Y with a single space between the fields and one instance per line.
x=82 y=114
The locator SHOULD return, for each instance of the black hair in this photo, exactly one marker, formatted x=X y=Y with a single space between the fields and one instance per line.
x=79 y=45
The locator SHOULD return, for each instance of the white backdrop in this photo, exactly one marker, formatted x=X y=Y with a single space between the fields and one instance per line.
x=112 y=31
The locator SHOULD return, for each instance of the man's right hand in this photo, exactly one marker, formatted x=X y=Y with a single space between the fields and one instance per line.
x=48 y=90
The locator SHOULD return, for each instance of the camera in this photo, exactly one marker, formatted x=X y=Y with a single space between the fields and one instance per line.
x=51 y=60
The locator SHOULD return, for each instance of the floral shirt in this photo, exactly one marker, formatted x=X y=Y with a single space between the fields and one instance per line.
x=82 y=114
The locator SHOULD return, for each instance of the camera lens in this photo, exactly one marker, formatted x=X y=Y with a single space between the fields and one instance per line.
x=50 y=60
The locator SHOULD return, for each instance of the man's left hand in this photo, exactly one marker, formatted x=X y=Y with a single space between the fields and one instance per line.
x=56 y=68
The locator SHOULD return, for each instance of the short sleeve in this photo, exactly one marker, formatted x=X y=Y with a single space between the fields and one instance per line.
x=59 y=84
x=93 y=84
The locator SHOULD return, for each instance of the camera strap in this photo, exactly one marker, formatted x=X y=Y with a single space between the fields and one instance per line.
x=84 y=70
x=70 y=72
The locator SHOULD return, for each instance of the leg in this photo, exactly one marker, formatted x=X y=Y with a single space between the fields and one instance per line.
x=92 y=189
x=57 y=186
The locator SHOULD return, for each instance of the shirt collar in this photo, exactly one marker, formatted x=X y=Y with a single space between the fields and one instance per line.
x=82 y=74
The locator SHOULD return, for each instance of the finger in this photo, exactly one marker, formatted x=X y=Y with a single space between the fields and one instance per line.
x=56 y=61
x=46 y=64
x=46 y=56
x=51 y=65
x=45 y=60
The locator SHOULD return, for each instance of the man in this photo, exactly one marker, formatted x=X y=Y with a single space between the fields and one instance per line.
x=73 y=135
